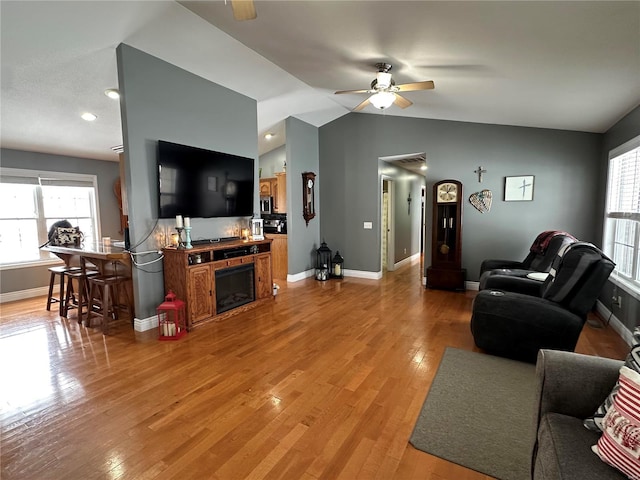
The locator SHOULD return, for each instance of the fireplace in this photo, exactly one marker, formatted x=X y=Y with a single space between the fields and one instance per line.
x=234 y=287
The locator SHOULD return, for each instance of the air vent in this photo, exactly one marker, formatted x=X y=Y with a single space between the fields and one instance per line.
x=118 y=148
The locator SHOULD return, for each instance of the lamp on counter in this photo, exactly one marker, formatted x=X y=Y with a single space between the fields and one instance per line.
x=337 y=266
x=172 y=323
x=323 y=262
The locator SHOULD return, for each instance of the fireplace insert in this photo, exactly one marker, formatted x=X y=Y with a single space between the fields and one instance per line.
x=234 y=287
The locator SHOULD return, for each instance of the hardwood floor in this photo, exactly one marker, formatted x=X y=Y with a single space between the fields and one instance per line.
x=326 y=382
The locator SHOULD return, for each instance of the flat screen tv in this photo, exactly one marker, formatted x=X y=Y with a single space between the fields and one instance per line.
x=195 y=182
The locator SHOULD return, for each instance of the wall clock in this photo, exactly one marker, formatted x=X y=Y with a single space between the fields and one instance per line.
x=308 y=203
x=446 y=270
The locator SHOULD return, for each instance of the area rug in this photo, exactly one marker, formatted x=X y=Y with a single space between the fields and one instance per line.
x=479 y=414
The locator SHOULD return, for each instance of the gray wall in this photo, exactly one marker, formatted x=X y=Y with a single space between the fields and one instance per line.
x=302 y=156
x=272 y=162
x=621 y=132
x=566 y=166
x=163 y=102
x=26 y=278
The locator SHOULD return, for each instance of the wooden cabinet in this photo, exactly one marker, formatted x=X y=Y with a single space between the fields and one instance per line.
x=191 y=275
x=280 y=194
x=276 y=188
x=265 y=187
x=200 y=292
x=279 y=255
x=264 y=284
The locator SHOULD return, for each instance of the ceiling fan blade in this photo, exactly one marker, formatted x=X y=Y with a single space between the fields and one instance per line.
x=402 y=102
x=243 y=9
x=362 y=105
x=351 y=91
x=412 y=87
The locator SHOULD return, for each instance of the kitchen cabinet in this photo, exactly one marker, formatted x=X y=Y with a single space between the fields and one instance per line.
x=276 y=188
x=279 y=255
x=280 y=195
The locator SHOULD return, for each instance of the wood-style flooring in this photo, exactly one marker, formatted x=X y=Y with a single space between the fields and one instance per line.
x=324 y=383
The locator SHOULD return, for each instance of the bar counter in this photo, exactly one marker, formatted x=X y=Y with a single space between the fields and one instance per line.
x=107 y=259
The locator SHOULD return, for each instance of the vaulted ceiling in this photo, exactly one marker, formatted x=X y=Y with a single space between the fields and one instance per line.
x=561 y=65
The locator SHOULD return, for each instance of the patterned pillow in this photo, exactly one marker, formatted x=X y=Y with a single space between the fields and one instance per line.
x=632 y=361
x=69 y=236
x=619 y=445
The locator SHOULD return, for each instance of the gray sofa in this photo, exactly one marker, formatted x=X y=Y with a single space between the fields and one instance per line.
x=570 y=387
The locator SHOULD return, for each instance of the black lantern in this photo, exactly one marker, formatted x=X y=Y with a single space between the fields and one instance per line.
x=337 y=267
x=323 y=262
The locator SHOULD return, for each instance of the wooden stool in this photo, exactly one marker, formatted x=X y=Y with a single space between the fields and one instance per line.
x=79 y=299
x=105 y=294
x=61 y=270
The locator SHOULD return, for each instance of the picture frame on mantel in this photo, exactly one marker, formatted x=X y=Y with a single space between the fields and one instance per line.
x=519 y=188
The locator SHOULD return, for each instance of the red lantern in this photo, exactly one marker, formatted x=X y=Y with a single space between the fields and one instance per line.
x=172 y=323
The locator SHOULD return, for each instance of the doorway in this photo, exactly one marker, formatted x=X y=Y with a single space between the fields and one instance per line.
x=387 y=233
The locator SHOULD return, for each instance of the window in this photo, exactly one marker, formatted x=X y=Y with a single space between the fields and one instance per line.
x=622 y=215
x=31 y=202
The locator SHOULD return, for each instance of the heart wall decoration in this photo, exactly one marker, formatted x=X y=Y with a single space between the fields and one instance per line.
x=481 y=200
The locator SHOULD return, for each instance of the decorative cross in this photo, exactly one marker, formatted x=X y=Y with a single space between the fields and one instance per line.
x=409 y=202
x=524 y=187
x=480 y=171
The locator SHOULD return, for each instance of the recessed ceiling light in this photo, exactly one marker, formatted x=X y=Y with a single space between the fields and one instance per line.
x=269 y=136
x=89 y=117
x=112 y=93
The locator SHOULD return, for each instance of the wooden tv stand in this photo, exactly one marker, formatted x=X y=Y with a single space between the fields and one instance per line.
x=191 y=274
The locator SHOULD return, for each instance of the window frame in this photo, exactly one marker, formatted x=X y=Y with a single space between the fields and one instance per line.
x=47 y=176
x=629 y=285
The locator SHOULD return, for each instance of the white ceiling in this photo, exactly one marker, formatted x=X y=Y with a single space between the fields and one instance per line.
x=562 y=65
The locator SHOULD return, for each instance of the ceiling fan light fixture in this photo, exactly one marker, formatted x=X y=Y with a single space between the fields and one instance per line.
x=383 y=80
x=382 y=100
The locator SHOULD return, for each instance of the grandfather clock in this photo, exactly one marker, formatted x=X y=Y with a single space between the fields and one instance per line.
x=446 y=270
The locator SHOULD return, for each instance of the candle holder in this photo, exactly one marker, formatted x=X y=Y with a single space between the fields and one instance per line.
x=180 y=242
x=187 y=232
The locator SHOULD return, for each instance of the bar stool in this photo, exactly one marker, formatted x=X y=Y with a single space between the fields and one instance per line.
x=62 y=271
x=104 y=298
x=80 y=298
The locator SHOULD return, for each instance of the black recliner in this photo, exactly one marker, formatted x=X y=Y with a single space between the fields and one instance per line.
x=517 y=325
x=514 y=276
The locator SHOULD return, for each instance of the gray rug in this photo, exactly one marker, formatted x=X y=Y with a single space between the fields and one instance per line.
x=478 y=414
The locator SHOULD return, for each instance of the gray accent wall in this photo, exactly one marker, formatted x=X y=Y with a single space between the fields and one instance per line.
x=26 y=278
x=302 y=156
x=273 y=162
x=623 y=131
x=163 y=102
x=566 y=166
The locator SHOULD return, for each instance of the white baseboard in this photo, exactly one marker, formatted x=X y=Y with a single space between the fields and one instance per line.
x=144 y=324
x=296 y=277
x=22 y=294
x=615 y=323
x=407 y=261
x=363 y=274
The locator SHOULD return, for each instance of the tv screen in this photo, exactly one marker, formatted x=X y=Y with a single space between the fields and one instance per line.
x=194 y=182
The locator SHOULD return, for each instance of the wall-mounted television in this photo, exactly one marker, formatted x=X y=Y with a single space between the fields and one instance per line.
x=195 y=182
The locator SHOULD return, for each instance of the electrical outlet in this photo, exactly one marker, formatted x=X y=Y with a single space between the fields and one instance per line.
x=405 y=251
x=617 y=301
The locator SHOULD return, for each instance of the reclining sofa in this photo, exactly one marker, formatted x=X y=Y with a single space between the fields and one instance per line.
x=517 y=325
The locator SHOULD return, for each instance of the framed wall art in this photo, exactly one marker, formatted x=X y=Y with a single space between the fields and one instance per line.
x=518 y=189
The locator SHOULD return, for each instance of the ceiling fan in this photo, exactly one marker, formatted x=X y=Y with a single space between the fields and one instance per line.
x=243 y=9
x=385 y=91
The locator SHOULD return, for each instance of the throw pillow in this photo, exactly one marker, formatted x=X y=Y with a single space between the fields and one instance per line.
x=632 y=361
x=619 y=445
